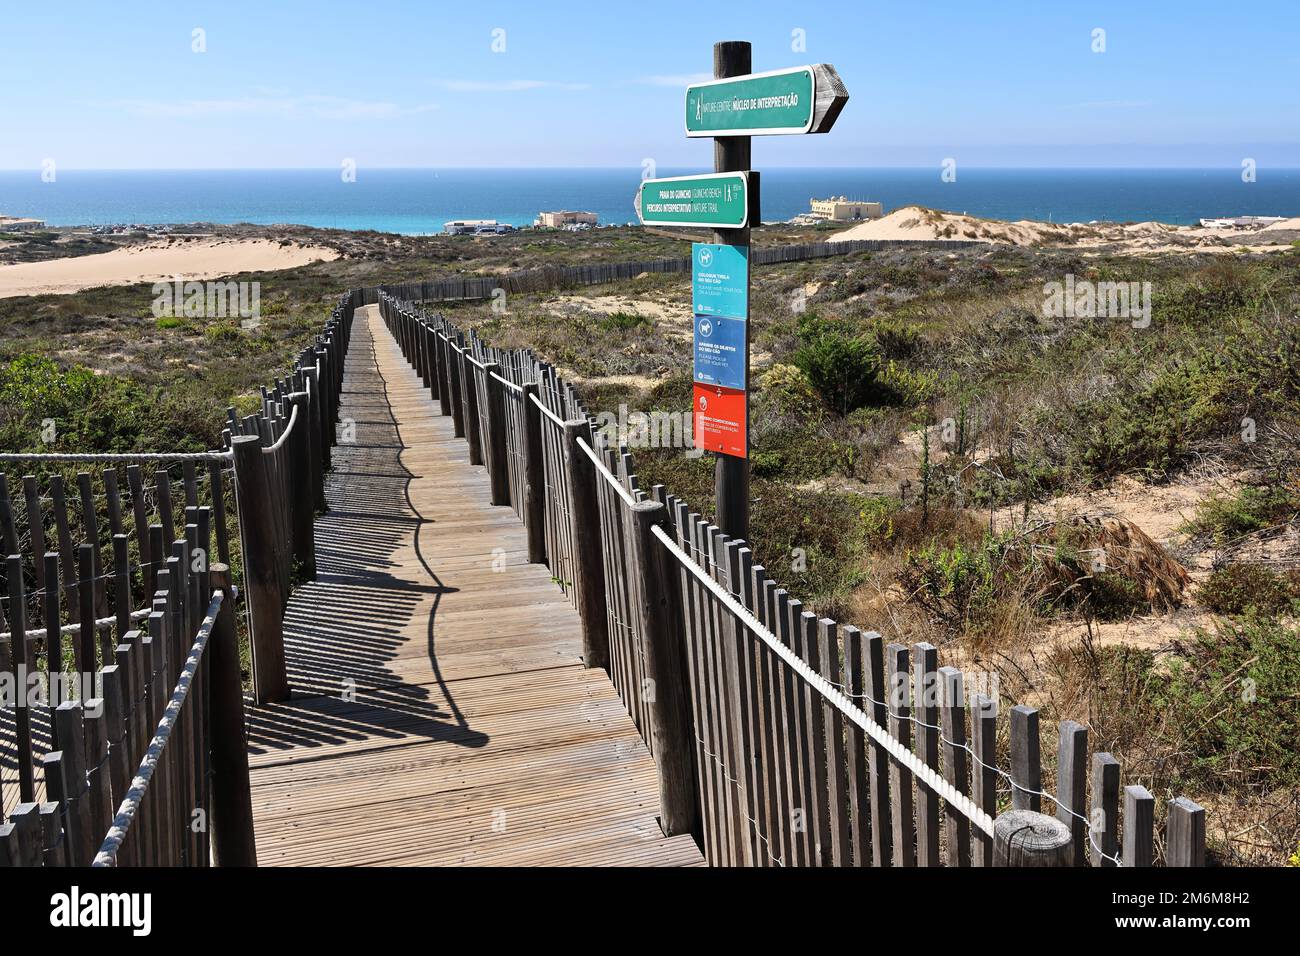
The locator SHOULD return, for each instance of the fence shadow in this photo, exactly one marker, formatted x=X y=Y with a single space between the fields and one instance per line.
x=344 y=632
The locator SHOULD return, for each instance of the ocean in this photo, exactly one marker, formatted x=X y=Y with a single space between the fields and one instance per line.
x=417 y=201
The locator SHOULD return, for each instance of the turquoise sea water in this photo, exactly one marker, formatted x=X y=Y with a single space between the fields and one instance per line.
x=421 y=200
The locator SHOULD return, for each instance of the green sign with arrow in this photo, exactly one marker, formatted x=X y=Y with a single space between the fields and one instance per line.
x=716 y=200
x=805 y=99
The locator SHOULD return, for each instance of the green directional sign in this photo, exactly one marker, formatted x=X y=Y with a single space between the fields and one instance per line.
x=804 y=99
x=756 y=104
x=717 y=200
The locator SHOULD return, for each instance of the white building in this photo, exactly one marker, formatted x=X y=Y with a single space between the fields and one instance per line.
x=843 y=209
x=476 y=227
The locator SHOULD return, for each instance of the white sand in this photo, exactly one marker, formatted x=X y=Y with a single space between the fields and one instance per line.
x=160 y=260
x=915 y=222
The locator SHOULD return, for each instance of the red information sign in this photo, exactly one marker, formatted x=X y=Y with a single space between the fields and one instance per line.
x=721 y=420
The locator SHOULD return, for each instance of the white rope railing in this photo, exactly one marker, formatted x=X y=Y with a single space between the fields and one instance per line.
x=547 y=412
x=504 y=381
x=120 y=456
x=608 y=475
x=126 y=813
x=959 y=801
x=279 y=442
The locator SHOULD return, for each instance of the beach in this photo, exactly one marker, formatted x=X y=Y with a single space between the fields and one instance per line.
x=158 y=260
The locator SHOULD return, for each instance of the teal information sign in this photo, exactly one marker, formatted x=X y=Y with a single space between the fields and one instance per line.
x=720 y=280
x=718 y=200
x=753 y=105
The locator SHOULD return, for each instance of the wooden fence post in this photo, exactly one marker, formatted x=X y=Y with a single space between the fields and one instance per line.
x=454 y=362
x=301 y=489
x=1028 y=838
x=495 y=439
x=257 y=521
x=470 y=415
x=312 y=381
x=534 y=483
x=1139 y=826
x=659 y=605
x=1026 y=759
x=232 y=807
x=588 y=553
x=1103 y=844
x=1072 y=786
x=1185 y=836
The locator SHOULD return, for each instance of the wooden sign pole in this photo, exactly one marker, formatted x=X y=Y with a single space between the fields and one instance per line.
x=731 y=153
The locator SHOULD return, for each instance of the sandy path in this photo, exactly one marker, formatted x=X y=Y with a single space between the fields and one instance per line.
x=155 y=261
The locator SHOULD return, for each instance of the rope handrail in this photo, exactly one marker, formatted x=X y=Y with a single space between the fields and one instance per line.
x=506 y=382
x=606 y=473
x=75 y=628
x=293 y=418
x=959 y=801
x=130 y=806
x=547 y=412
x=119 y=456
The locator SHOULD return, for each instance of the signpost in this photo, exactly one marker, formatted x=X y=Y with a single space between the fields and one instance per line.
x=732 y=107
x=806 y=99
x=719 y=201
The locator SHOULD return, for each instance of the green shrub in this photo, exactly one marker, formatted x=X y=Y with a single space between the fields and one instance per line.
x=841 y=365
x=622 y=322
x=1234 y=701
x=171 y=322
x=223 y=332
x=1249 y=509
x=1238 y=588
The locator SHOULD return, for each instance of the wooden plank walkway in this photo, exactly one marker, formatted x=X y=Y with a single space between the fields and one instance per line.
x=441 y=714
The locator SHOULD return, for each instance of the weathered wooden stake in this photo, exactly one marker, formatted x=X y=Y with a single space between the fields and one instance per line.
x=658 y=603
x=588 y=555
x=232 y=807
x=534 y=482
x=270 y=678
x=495 y=439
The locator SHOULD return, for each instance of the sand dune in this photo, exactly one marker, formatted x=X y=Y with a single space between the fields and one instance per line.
x=917 y=222
x=157 y=261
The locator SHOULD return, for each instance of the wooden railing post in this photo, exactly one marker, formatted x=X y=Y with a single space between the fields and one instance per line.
x=232 y=805
x=1029 y=838
x=588 y=555
x=534 y=483
x=470 y=411
x=257 y=522
x=454 y=362
x=301 y=491
x=312 y=378
x=444 y=374
x=494 y=441
x=327 y=432
x=659 y=606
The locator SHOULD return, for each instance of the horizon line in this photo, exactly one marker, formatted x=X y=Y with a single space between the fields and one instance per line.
x=334 y=169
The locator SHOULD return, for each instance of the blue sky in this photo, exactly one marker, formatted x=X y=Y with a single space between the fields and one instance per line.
x=292 y=84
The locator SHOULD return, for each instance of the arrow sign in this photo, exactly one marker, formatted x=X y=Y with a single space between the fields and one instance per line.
x=805 y=99
x=717 y=200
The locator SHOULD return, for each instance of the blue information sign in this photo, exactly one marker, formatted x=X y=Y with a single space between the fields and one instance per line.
x=720 y=279
x=720 y=355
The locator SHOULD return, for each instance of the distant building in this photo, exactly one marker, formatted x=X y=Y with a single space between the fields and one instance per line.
x=1241 y=222
x=565 y=217
x=843 y=209
x=15 y=224
x=476 y=227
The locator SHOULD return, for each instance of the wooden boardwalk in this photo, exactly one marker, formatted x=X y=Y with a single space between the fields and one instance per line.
x=441 y=714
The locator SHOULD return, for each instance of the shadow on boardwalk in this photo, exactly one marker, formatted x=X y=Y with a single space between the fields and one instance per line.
x=344 y=630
